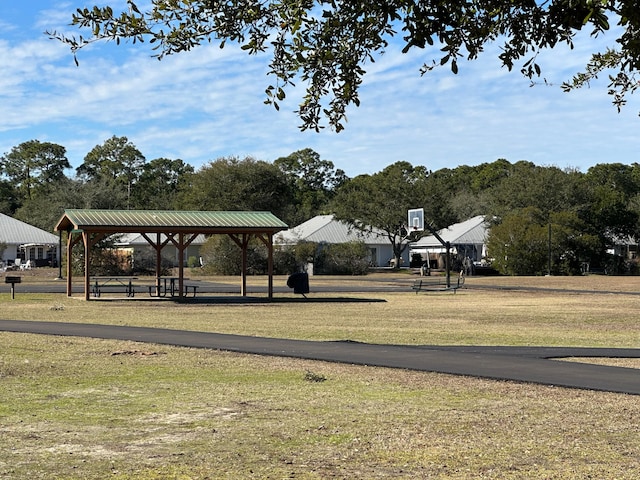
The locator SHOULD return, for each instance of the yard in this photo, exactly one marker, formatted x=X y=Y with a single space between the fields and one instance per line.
x=86 y=408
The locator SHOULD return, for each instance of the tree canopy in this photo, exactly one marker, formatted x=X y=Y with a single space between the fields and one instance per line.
x=326 y=44
x=236 y=184
x=160 y=182
x=313 y=182
x=34 y=165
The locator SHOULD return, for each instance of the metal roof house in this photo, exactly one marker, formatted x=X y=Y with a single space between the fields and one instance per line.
x=26 y=242
x=325 y=229
x=467 y=240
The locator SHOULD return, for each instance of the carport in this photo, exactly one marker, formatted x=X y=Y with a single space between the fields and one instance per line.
x=161 y=227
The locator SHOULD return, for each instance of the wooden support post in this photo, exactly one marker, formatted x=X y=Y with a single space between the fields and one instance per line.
x=158 y=249
x=86 y=239
x=270 y=264
x=267 y=239
x=447 y=263
x=181 y=249
x=245 y=245
x=69 y=270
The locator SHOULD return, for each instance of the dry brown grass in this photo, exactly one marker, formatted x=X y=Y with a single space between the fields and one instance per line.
x=80 y=408
x=474 y=316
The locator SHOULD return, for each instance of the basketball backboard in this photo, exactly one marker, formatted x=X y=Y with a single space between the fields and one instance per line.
x=416 y=220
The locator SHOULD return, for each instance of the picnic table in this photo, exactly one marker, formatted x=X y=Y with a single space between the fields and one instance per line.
x=112 y=282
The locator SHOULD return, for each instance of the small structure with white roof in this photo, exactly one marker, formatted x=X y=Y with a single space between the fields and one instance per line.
x=136 y=245
x=26 y=243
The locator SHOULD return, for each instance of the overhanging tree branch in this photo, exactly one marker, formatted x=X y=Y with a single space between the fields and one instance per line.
x=326 y=44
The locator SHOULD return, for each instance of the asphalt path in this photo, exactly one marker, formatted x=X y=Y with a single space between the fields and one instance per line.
x=532 y=364
x=521 y=364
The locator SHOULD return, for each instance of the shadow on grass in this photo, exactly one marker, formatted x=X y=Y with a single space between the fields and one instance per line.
x=262 y=300
x=239 y=300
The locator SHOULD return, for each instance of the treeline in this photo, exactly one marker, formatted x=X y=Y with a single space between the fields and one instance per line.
x=35 y=188
x=544 y=219
x=584 y=214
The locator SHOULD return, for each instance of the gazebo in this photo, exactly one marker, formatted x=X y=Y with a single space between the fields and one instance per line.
x=159 y=227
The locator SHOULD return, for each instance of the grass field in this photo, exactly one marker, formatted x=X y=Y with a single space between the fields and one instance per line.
x=80 y=408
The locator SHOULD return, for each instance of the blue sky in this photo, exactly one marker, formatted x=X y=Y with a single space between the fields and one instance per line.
x=208 y=103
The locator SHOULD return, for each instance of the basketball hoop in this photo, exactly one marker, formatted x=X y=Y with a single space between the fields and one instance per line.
x=416 y=219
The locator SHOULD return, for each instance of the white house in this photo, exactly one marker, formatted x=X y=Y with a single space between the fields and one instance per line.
x=467 y=240
x=25 y=242
x=324 y=229
x=135 y=245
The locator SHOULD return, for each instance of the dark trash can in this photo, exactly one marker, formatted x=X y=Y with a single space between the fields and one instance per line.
x=299 y=282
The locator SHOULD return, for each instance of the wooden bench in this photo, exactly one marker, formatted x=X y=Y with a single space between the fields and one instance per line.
x=438 y=284
x=193 y=289
x=154 y=291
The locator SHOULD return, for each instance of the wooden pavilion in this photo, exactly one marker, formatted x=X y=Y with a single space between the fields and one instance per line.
x=177 y=227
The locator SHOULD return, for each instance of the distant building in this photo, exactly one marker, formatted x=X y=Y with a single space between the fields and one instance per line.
x=467 y=239
x=25 y=242
x=134 y=245
x=325 y=229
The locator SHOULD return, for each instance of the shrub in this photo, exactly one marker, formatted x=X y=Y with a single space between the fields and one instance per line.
x=306 y=252
x=284 y=260
x=192 y=262
x=351 y=258
x=222 y=256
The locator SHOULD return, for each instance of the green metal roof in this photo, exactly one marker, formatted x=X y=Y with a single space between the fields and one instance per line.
x=169 y=220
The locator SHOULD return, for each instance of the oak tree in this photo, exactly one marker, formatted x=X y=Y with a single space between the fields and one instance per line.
x=236 y=184
x=117 y=164
x=158 y=185
x=313 y=182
